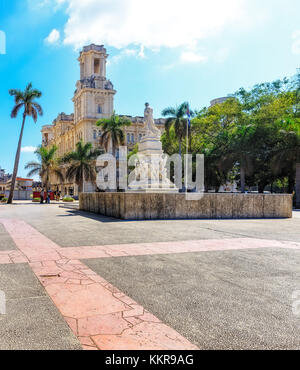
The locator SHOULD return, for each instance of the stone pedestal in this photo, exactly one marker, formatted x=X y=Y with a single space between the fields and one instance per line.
x=134 y=206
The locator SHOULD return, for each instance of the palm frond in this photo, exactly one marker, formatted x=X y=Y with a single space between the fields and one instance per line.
x=16 y=109
x=169 y=112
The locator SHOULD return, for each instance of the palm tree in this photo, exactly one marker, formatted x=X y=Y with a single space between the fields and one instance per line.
x=112 y=131
x=176 y=117
x=81 y=164
x=23 y=99
x=47 y=165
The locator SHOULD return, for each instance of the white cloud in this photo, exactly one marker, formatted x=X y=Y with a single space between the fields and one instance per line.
x=28 y=149
x=125 y=53
x=167 y=23
x=192 y=57
x=141 y=25
x=296 y=43
x=53 y=37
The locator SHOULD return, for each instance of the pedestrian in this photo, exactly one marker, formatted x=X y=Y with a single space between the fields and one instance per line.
x=48 y=197
x=42 y=196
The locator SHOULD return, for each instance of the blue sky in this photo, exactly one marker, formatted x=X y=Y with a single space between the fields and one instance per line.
x=164 y=52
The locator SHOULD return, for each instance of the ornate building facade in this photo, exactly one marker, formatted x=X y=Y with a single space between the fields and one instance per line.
x=93 y=99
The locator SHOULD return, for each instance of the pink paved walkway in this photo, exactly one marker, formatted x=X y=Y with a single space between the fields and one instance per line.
x=100 y=315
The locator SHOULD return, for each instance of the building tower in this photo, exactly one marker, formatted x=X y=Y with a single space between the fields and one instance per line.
x=94 y=95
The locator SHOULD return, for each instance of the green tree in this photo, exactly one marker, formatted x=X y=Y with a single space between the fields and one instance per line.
x=113 y=131
x=23 y=99
x=81 y=164
x=177 y=118
x=213 y=136
x=46 y=167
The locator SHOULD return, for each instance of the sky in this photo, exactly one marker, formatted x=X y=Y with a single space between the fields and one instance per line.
x=161 y=51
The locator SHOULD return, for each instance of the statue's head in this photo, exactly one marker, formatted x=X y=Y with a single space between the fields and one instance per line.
x=147 y=105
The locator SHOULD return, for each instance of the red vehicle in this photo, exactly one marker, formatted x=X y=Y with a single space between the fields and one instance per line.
x=37 y=194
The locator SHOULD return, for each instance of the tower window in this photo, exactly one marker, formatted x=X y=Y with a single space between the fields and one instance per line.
x=97 y=66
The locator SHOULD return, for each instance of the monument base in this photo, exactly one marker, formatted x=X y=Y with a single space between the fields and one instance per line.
x=164 y=206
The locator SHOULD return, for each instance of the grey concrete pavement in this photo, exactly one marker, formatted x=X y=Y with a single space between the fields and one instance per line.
x=218 y=300
x=31 y=320
x=238 y=299
x=70 y=228
x=6 y=242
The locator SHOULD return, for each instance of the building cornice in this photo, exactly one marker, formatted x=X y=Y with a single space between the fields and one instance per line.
x=94 y=91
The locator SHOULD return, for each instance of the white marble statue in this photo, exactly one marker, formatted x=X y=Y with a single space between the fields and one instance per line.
x=152 y=130
x=150 y=173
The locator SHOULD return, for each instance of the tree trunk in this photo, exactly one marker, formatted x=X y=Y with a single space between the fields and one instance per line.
x=180 y=148
x=243 y=176
x=291 y=183
x=298 y=185
x=261 y=187
x=80 y=186
x=16 y=166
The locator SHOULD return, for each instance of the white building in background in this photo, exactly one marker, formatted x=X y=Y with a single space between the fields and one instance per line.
x=218 y=101
x=93 y=99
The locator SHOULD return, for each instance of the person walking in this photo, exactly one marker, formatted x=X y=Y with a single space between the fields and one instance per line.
x=42 y=196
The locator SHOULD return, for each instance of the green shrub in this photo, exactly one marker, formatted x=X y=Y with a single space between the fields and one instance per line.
x=68 y=199
x=36 y=200
x=4 y=200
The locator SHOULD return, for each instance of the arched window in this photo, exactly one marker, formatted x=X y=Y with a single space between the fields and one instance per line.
x=132 y=138
x=95 y=134
x=140 y=137
x=128 y=138
x=99 y=133
x=99 y=109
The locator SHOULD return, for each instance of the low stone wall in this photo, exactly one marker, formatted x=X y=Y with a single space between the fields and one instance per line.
x=141 y=206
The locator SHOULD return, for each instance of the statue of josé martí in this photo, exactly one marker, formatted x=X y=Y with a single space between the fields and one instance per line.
x=150 y=173
x=152 y=130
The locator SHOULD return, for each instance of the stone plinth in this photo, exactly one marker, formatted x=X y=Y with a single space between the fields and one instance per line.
x=153 y=206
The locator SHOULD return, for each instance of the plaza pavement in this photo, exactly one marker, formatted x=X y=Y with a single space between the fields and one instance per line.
x=76 y=280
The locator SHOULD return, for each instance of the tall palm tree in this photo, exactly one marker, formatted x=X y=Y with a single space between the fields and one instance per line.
x=177 y=118
x=81 y=164
x=112 y=131
x=23 y=99
x=46 y=167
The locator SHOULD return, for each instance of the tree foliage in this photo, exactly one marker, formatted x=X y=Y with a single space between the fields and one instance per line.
x=253 y=137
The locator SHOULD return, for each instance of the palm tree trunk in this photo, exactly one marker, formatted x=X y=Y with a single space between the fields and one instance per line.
x=180 y=148
x=298 y=185
x=80 y=187
x=16 y=166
